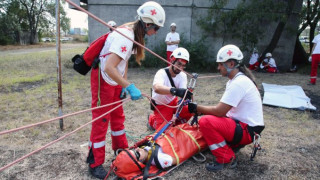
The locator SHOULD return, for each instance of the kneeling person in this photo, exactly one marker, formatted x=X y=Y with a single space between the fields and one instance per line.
x=169 y=83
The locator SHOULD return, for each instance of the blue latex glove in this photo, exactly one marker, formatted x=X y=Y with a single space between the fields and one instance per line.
x=123 y=94
x=134 y=92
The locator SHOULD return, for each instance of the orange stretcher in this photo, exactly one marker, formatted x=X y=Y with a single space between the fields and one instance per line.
x=182 y=142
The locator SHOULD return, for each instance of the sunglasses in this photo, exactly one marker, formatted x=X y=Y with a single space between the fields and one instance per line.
x=137 y=154
x=179 y=64
x=155 y=27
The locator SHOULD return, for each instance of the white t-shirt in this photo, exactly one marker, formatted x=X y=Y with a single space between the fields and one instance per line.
x=254 y=58
x=165 y=160
x=316 y=40
x=172 y=37
x=120 y=45
x=271 y=63
x=244 y=97
x=161 y=77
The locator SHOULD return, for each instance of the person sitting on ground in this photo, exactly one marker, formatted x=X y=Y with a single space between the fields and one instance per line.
x=254 y=63
x=233 y=122
x=169 y=83
x=269 y=64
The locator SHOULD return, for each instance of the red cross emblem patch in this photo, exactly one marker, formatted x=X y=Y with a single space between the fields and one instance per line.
x=153 y=12
x=165 y=163
x=123 y=49
x=229 y=53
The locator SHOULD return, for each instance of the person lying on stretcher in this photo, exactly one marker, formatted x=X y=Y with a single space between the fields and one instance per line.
x=173 y=147
x=143 y=154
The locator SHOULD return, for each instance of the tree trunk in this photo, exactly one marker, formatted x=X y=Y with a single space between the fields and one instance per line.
x=274 y=41
x=277 y=33
x=299 y=56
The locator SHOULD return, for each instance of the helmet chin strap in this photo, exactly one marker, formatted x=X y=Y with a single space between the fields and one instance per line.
x=229 y=70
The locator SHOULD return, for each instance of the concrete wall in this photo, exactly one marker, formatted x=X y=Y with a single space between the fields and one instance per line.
x=185 y=14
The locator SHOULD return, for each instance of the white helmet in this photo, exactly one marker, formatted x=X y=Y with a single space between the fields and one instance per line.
x=112 y=23
x=173 y=24
x=181 y=53
x=268 y=55
x=229 y=52
x=152 y=12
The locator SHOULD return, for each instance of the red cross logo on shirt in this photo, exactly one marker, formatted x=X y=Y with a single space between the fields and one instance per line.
x=229 y=53
x=153 y=12
x=123 y=49
x=165 y=163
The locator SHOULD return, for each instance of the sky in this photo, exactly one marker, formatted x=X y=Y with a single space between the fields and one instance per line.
x=78 y=19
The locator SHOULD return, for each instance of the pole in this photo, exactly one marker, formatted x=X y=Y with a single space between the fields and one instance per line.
x=58 y=52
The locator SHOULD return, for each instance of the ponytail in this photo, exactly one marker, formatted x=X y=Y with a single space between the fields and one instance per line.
x=138 y=29
x=248 y=73
x=139 y=34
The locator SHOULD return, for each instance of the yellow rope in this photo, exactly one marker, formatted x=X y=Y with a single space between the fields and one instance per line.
x=194 y=140
x=177 y=158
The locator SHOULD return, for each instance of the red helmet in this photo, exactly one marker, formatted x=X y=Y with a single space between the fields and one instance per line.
x=127 y=163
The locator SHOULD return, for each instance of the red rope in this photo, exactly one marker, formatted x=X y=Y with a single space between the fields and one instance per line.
x=150 y=98
x=111 y=167
x=62 y=137
x=57 y=118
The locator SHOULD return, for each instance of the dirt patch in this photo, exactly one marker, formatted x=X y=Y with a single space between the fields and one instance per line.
x=315 y=101
x=21 y=87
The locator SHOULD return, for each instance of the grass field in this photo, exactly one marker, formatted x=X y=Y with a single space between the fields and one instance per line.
x=28 y=93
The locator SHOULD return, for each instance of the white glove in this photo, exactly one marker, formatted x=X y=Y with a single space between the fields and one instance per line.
x=310 y=59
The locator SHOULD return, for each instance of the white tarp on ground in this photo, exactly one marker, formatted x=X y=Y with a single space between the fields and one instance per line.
x=286 y=96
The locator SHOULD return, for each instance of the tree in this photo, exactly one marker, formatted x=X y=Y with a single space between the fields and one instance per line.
x=244 y=21
x=280 y=27
x=33 y=16
x=309 y=17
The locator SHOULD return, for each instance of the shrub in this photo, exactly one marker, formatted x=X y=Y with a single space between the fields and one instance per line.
x=198 y=56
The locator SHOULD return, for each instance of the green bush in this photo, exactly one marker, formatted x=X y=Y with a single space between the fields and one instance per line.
x=198 y=56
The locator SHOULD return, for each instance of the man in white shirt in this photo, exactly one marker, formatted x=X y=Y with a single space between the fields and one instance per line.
x=172 y=41
x=315 y=54
x=165 y=92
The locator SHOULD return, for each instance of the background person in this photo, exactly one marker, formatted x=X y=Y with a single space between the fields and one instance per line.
x=165 y=92
x=113 y=24
x=233 y=121
x=254 y=63
x=172 y=41
x=108 y=81
x=315 y=56
x=269 y=64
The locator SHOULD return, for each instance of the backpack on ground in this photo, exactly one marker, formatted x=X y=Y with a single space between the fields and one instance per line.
x=90 y=58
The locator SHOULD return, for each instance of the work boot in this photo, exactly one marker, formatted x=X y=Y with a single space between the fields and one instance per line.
x=98 y=172
x=215 y=166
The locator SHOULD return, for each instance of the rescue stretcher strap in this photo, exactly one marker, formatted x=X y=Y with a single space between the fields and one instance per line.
x=192 y=138
x=173 y=150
